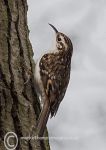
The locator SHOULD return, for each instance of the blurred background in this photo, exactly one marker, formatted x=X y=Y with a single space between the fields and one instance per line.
x=80 y=123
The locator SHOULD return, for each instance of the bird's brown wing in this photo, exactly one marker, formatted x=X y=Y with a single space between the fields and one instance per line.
x=55 y=78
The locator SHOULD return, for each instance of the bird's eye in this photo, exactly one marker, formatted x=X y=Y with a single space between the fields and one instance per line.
x=59 y=39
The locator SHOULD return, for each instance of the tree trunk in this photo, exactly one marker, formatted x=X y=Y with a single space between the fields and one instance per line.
x=19 y=107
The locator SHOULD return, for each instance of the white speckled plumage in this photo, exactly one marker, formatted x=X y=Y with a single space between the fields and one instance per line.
x=52 y=74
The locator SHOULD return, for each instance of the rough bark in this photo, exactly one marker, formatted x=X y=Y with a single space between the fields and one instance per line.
x=19 y=107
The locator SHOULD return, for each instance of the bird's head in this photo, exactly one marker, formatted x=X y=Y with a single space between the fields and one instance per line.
x=63 y=43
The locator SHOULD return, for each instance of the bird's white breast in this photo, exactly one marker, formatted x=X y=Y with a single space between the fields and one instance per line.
x=38 y=81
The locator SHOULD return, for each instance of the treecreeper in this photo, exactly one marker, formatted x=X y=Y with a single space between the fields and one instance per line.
x=52 y=75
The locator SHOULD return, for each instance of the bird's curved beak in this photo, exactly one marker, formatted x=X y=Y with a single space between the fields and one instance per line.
x=56 y=31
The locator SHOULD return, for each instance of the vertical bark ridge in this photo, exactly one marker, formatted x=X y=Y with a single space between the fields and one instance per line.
x=17 y=100
x=14 y=110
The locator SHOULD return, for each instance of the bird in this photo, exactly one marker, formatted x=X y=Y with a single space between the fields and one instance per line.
x=52 y=75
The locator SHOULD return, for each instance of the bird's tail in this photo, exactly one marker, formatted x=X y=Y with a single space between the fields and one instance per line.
x=42 y=121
